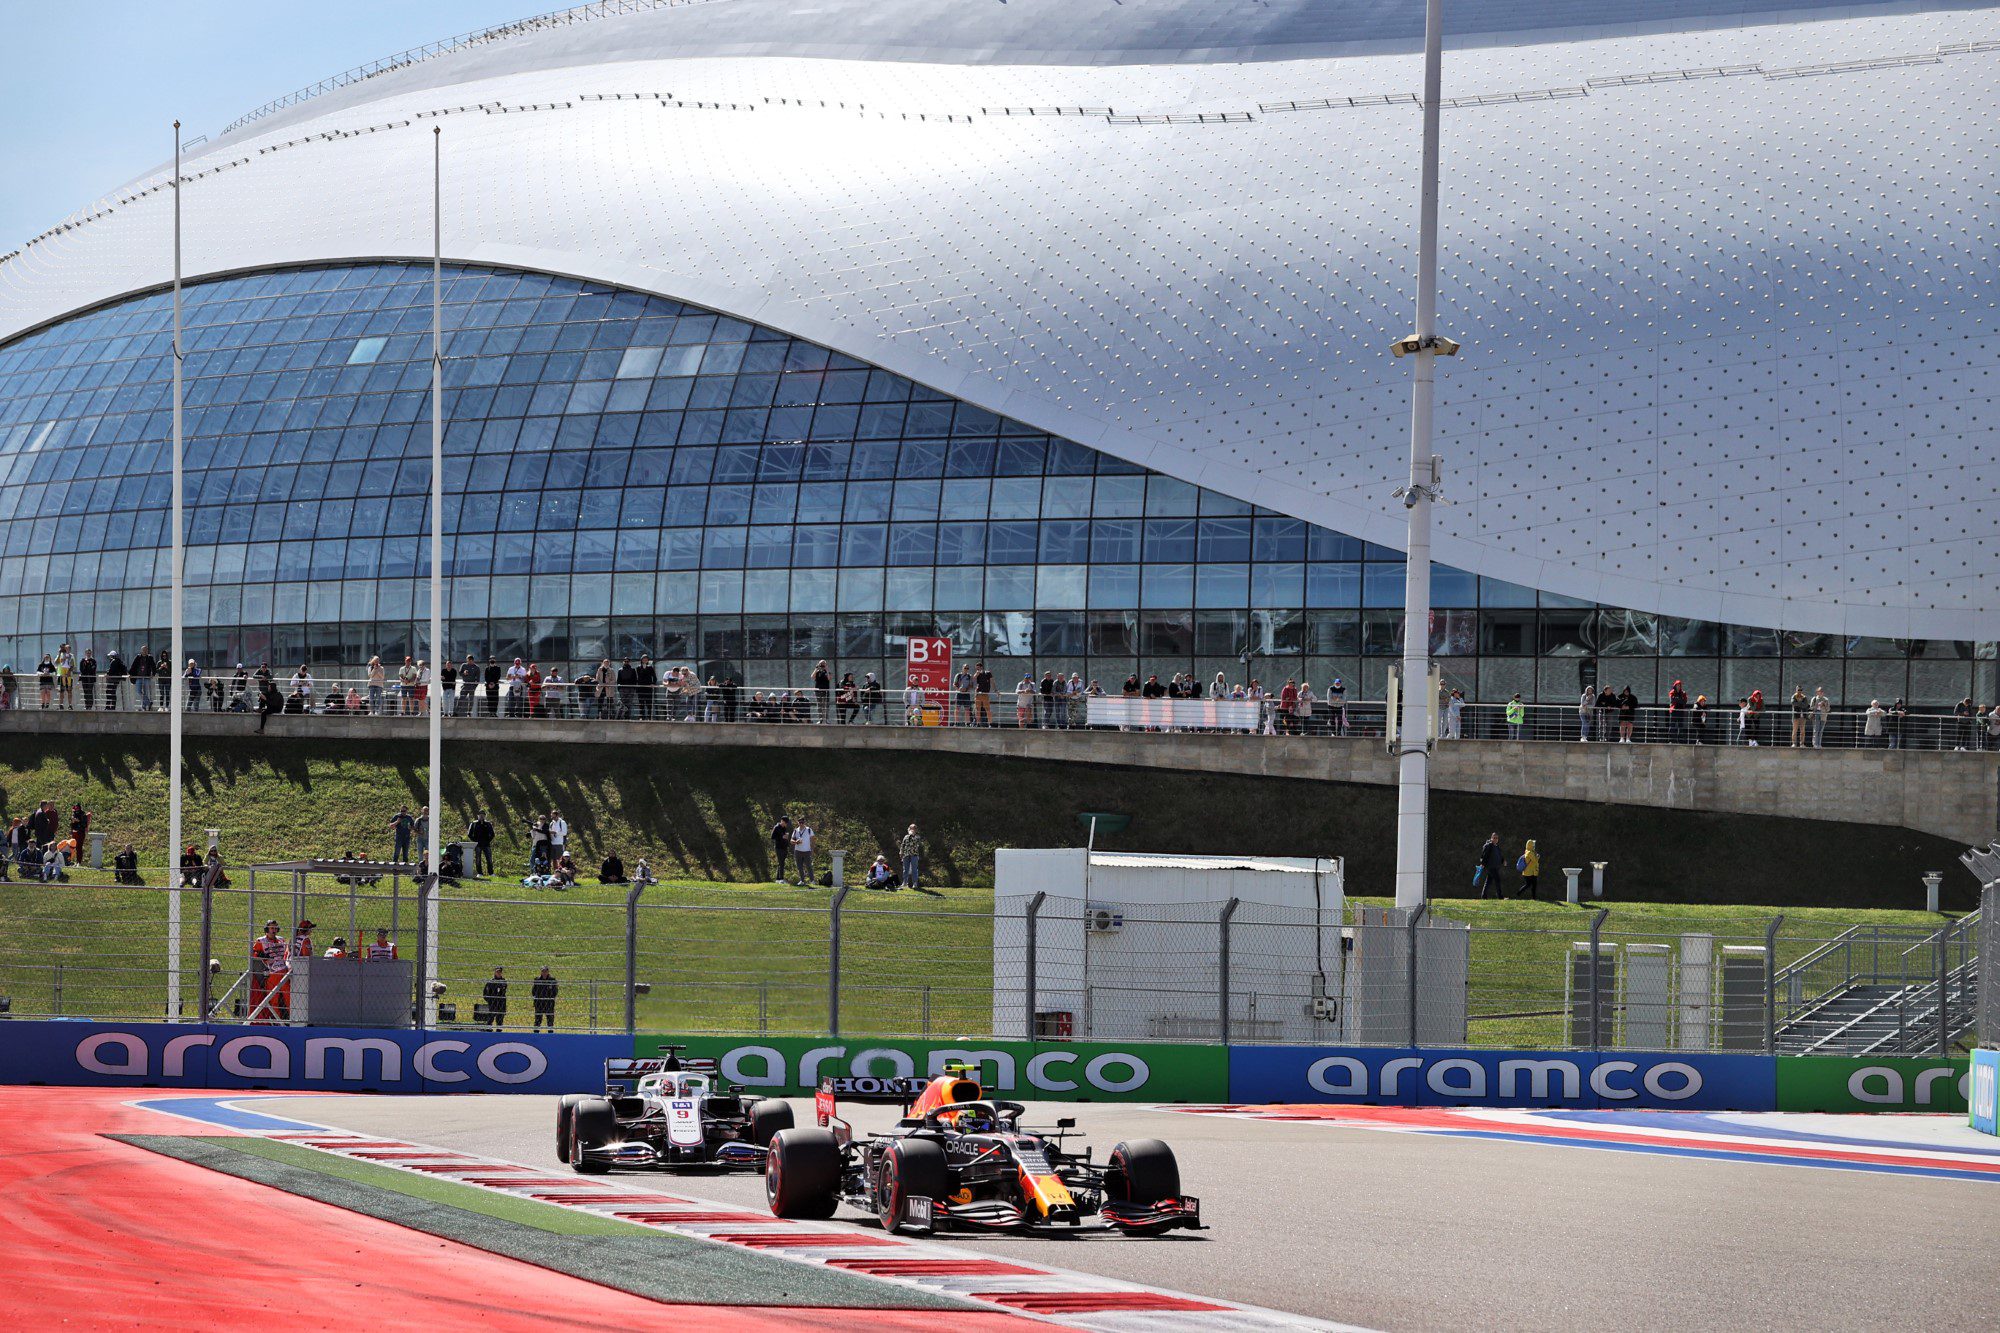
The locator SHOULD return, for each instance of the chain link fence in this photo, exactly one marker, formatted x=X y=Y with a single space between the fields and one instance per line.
x=862 y=963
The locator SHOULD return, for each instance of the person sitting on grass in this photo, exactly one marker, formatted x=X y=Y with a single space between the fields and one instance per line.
x=125 y=866
x=565 y=872
x=880 y=876
x=611 y=870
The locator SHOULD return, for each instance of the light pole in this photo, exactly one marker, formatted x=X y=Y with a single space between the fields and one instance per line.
x=176 y=642
x=1413 y=736
x=434 y=696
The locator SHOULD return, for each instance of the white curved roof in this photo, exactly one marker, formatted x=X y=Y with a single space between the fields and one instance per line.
x=1725 y=273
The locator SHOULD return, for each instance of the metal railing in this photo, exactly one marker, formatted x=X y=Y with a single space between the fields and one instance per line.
x=588 y=699
x=858 y=963
x=1878 y=990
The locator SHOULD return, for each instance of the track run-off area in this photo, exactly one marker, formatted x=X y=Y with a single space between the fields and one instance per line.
x=204 y=1211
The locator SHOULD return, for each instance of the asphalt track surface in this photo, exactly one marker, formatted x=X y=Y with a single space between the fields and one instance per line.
x=1408 y=1231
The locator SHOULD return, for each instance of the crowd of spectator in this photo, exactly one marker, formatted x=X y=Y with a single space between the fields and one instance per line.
x=42 y=845
x=641 y=690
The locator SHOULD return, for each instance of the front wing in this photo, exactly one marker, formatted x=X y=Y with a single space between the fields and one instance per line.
x=935 y=1215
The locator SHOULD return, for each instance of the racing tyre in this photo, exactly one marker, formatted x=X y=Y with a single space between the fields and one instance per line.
x=565 y=1108
x=767 y=1117
x=802 y=1173
x=911 y=1168
x=592 y=1125
x=1142 y=1171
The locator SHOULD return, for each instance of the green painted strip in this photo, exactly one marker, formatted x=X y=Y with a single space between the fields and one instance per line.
x=548 y=1217
x=641 y=1260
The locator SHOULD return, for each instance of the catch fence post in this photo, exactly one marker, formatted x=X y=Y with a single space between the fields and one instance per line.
x=833 y=965
x=207 y=985
x=1944 y=995
x=1770 y=984
x=1410 y=961
x=1596 y=984
x=1029 y=921
x=426 y=1004
x=1222 y=973
x=632 y=956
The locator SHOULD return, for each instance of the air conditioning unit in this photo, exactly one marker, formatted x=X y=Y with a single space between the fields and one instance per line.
x=1103 y=921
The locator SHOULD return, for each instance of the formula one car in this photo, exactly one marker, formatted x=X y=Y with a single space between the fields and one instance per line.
x=959 y=1160
x=667 y=1114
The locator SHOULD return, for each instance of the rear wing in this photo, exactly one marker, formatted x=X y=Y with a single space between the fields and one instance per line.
x=621 y=1076
x=869 y=1091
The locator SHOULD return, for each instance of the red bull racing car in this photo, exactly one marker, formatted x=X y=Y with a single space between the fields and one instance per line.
x=666 y=1114
x=961 y=1160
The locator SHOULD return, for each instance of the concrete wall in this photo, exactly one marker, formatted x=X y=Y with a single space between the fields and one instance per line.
x=1944 y=793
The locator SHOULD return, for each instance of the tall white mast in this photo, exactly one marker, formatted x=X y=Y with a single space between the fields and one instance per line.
x=435 y=697
x=176 y=652
x=1413 y=737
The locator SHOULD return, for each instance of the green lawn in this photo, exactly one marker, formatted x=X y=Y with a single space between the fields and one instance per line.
x=752 y=959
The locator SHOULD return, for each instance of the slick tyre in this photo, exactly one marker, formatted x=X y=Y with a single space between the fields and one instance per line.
x=1142 y=1171
x=911 y=1168
x=565 y=1109
x=802 y=1174
x=767 y=1117
x=593 y=1124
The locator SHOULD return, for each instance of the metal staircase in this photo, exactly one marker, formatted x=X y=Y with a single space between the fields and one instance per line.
x=1875 y=990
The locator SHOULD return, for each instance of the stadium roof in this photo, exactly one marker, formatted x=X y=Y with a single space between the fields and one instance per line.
x=1725 y=272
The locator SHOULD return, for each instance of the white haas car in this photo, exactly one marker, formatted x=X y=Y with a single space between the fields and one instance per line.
x=666 y=1114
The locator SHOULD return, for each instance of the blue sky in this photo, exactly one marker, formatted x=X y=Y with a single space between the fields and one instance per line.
x=89 y=91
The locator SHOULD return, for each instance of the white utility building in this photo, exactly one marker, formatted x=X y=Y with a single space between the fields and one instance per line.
x=1130 y=947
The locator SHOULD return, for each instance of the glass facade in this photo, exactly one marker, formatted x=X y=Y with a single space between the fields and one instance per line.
x=631 y=475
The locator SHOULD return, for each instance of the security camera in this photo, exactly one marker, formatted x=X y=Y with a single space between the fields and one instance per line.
x=1437 y=342
x=214 y=966
x=437 y=989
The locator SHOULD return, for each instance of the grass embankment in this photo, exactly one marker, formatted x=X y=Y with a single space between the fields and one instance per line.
x=911 y=963
x=703 y=814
